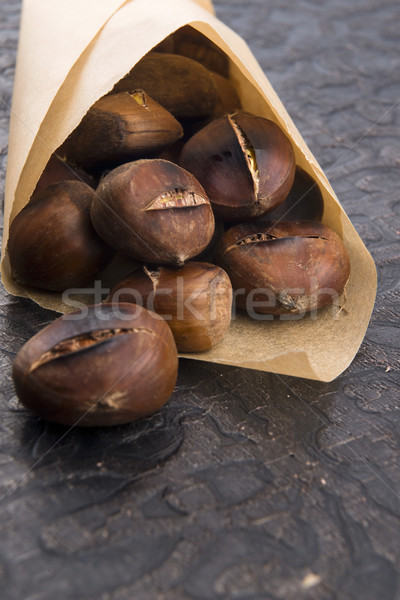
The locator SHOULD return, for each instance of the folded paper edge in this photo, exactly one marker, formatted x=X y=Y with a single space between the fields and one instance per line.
x=278 y=106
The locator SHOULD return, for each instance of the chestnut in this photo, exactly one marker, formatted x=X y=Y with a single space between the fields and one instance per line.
x=304 y=202
x=52 y=242
x=246 y=165
x=122 y=127
x=195 y=300
x=112 y=365
x=183 y=86
x=284 y=267
x=154 y=211
x=193 y=44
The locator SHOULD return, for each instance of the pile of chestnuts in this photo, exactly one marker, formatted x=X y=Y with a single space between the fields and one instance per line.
x=169 y=170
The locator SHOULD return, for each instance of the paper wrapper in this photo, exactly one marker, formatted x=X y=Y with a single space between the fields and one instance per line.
x=71 y=54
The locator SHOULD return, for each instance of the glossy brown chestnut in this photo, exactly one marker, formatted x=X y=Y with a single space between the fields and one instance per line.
x=195 y=300
x=193 y=44
x=304 y=202
x=285 y=267
x=154 y=211
x=111 y=366
x=122 y=127
x=52 y=243
x=182 y=85
x=245 y=163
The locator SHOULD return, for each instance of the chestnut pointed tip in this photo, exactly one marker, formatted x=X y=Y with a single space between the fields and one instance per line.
x=180 y=260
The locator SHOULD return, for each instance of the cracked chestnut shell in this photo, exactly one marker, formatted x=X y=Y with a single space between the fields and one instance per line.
x=122 y=127
x=154 y=211
x=195 y=300
x=111 y=366
x=246 y=165
x=52 y=243
x=284 y=268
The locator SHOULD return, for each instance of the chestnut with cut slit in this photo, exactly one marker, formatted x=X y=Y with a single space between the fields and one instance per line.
x=195 y=300
x=112 y=366
x=284 y=268
x=154 y=211
x=121 y=127
x=246 y=165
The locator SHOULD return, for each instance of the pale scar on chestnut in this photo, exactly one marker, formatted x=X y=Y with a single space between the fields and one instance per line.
x=257 y=238
x=176 y=198
x=140 y=97
x=248 y=151
x=81 y=342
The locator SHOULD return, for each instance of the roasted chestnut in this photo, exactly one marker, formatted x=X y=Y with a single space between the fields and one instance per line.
x=193 y=44
x=285 y=267
x=195 y=300
x=304 y=202
x=112 y=365
x=122 y=127
x=52 y=243
x=183 y=86
x=154 y=211
x=246 y=165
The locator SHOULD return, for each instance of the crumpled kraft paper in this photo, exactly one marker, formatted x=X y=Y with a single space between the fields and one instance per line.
x=71 y=54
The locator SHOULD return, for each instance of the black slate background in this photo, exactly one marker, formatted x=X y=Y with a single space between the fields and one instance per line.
x=247 y=485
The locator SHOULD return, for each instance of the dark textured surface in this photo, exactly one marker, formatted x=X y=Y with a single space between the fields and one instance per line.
x=246 y=486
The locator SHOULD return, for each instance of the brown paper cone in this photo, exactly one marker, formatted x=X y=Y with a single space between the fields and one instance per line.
x=71 y=54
